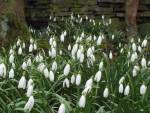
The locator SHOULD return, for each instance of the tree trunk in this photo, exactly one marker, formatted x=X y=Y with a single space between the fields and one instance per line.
x=131 y=16
x=12 y=20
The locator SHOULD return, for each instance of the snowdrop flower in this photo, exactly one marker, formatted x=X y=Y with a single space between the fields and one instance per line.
x=54 y=66
x=60 y=52
x=34 y=46
x=98 y=76
x=67 y=69
x=143 y=62
x=86 y=90
x=110 y=55
x=51 y=76
x=11 y=73
x=143 y=89
x=81 y=59
x=79 y=52
x=134 y=72
x=11 y=51
x=99 y=40
x=18 y=42
x=82 y=101
x=89 y=82
x=127 y=90
x=2 y=70
x=29 y=62
x=69 y=47
x=74 y=50
x=121 y=80
x=105 y=93
x=73 y=79
x=62 y=38
x=78 y=79
x=23 y=45
x=31 y=40
x=24 y=66
x=139 y=49
x=29 y=91
x=41 y=67
x=31 y=48
x=22 y=83
x=29 y=105
x=11 y=58
x=61 y=109
x=53 y=52
x=46 y=72
x=66 y=83
x=89 y=52
x=121 y=88
x=101 y=65
x=20 y=51
x=30 y=82
x=133 y=47
x=144 y=43
x=134 y=56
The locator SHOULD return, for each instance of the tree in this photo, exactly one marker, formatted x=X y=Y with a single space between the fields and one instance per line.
x=131 y=10
x=12 y=20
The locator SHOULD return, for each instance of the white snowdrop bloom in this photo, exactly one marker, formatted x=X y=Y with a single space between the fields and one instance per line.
x=60 y=52
x=67 y=69
x=54 y=66
x=53 y=52
x=121 y=88
x=139 y=49
x=89 y=52
x=121 y=80
x=133 y=47
x=62 y=38
x=66 y=83
x=30 y=82
x=98 y=75
x=31 y=40
x=11 y=51
x=20 y=50
x=18 y=42
x=13 y=65
x=46 y=73
x=134 y=72
x=62 y=108
x=82 y=101
x=143 y=89
x=110 y=55
x=22 y=83
x=143 y=62
x=73 y=79
x=99 y=40
x=134 y=56
x=24 y=66
x=29 y=62
x=29 y=90
x=127 y=90
x=2 y=69
x=11 y=73
x=78 y=79
x=112 y=37
x=93 y=49
x=81 y=59
x=29 y=105
x=50 y=53
x=34 y=46
x=50 y=41
x=31 y=48
x=69 y=47
x=137 y=67
x=41 y=67
x=139 y=40
x=92 y=58
x=89 y=82
x=101 y=65
x=23 y=45
x=86 y=90
x=11 y=58
x=54 y=44
x=79 y=52
x=51 y=76
x=74 y=50
x=105 y=93
x=144 y=43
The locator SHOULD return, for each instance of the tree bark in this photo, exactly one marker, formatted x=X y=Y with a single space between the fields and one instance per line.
x=131 y=11
x=12 y=17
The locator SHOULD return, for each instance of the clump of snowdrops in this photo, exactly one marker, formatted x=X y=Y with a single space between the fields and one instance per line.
x=78 y=72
